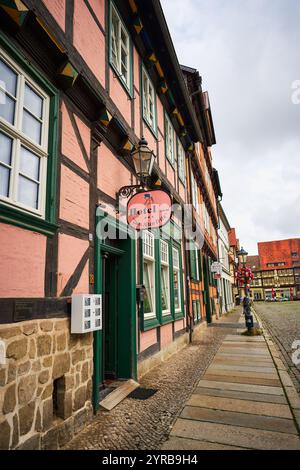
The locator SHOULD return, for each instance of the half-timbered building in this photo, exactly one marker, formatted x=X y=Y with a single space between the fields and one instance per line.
x=81 y=82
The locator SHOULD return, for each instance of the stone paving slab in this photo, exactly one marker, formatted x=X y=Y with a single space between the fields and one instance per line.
x=235 y=435
x=263 y=397
x=240 y=400
x=268 y=423
x=243 y=406
x=245 y=351
x=244 y=344
x=242 y=357
x=238 y=373
x=242 y=361
x=247 y=339
x=179 y=443
x=242 y=367
x=244 y=380
x=241 y=387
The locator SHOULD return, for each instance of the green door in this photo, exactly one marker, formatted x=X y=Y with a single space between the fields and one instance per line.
x=110 y=319
x=115 y=353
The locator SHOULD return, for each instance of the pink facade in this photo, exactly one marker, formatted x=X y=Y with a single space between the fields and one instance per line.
x=166 y=335
x=120 y=97
x=70 y=146
x=74 y=198
x=89 y=40
x=22 y=255
x=179 y=325
x=111 y=172
x=70 y=252
x=57 y=8
x=147 y=339
x=98 y=7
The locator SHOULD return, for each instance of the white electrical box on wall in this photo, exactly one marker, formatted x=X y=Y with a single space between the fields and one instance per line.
x=86 y=313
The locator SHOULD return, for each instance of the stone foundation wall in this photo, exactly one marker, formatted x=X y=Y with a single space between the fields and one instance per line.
x=45 y=384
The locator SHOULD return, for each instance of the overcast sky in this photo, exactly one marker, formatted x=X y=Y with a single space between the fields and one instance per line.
x=248 y=54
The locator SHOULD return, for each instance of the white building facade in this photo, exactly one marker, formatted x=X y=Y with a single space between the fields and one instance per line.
x=225 y=283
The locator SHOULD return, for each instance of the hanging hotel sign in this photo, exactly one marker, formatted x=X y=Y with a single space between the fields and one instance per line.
x=149 y=209
x=216 y=268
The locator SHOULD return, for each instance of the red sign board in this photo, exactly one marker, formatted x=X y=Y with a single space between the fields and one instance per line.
x=149 y=209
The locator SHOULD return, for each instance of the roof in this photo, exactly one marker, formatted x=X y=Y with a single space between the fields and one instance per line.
x=155 y=24
x=253 y=262
x=232 y=237
x=223 y=217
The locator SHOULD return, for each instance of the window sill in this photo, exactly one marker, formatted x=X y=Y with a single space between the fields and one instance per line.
x=153 y=131
x=127 y=90
x=179 y=315
x=166 y=319
x=150 y=324
x=10 y=215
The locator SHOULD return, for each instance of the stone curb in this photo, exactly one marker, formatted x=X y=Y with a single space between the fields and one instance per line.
x=287 y=384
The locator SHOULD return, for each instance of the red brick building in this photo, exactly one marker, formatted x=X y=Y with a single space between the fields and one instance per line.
x=280 y=253
x=276 y=269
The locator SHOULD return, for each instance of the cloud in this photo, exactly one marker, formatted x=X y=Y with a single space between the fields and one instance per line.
x=247 y=52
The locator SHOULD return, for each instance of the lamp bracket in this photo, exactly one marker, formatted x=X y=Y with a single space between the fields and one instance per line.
x=127 y=191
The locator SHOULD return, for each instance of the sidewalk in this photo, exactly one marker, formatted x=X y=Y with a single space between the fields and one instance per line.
x=239 y=403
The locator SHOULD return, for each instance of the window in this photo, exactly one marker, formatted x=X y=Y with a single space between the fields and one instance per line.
x=194 y=189
x=165 y=278
x=181 y=161
x=149 y=111
x=169 y=139
x=295 y=263
x=194 y=264
x=196 y=310
x=120 y=48
x=295 y=254
x=149 y=275
x=206 y=218
x=24 y=126
x=176 y=279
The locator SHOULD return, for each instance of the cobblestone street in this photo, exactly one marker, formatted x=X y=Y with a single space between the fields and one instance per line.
x=282 y=320
x=146 y=424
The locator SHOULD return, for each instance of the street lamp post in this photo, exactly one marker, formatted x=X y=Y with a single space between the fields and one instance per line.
x=242 y=256
x=143 y=159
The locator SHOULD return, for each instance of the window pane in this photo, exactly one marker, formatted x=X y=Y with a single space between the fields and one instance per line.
x=28 y=192
x=5 y=149
x=33 y=102
x=4 y=181
x=7 y=108
x=31 y=127
x=30 y=164
x=164 y=288
x=148 y=305
x=176 y=290
x=8 y=78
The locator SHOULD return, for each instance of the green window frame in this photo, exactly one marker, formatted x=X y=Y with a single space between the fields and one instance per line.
x=117 y=47
x=170 y=141
x=165 y=263
x=181 y=161
x=148 y=101
x=13 y=214
x=195 y=263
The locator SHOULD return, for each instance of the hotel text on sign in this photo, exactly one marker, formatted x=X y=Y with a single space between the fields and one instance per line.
x=149 y=209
